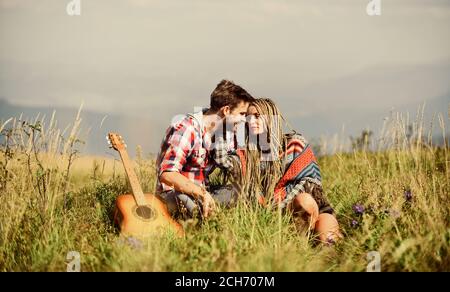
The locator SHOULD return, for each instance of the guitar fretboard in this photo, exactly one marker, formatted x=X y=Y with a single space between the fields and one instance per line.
x=132 y=178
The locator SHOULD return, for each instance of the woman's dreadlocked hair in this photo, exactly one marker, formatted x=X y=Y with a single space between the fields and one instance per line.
x=264 y=164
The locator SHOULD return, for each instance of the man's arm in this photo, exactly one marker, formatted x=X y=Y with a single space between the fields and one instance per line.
x=183 y=185
x=172 y=162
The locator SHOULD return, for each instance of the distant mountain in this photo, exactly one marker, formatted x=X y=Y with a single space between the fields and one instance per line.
x=354 y=121
x=135 y=130
x=148 y=133
x=359 y=100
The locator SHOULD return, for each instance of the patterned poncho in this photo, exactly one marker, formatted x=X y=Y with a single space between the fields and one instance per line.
x=299 y=164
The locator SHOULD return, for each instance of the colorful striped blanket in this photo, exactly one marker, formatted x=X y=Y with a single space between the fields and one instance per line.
x=300 y=166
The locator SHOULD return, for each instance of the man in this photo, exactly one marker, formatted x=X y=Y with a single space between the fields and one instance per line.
x=184 y=161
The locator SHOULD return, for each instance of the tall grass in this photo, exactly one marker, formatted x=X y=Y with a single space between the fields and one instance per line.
x=53 y=200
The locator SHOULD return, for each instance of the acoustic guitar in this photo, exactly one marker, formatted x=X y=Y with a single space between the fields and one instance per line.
x=140 y=214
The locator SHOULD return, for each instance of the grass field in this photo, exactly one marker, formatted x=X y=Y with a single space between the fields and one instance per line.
x=393 y=199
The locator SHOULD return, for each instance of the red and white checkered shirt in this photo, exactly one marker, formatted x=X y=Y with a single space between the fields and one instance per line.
x=185 y=149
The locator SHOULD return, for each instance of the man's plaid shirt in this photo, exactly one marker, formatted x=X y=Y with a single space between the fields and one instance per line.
x=185 y=149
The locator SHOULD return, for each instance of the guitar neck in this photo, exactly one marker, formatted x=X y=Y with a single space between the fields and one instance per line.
x=138 y=194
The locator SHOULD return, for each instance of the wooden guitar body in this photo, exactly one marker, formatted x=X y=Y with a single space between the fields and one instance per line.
x=139 y=214
x=148 y=220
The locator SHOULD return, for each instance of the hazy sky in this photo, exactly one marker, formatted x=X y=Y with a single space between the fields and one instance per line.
x=163 y=57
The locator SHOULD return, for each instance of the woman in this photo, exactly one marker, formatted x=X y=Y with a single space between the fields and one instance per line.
x=281 y=170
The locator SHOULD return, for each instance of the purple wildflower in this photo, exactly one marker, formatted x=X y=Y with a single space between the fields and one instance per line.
x=408 y=195
x=358 y=209
x=354 y=223
x=330 y=240
x=394 y=213
x=134 y=242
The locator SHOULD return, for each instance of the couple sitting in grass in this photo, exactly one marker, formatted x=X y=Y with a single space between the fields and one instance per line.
x=275 y=169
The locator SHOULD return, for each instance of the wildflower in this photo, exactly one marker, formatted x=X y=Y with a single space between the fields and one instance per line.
x=330 y=240
x=354 y=223
x=134 y=242
x=408 y=195
x=130 y=241
x=358 y=209
x=394 y=213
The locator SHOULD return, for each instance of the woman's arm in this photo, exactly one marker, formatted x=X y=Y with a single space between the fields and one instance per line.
x=229 y=161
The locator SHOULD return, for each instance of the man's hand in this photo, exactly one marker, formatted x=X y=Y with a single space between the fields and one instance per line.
x=183 y=185
x=208 y=204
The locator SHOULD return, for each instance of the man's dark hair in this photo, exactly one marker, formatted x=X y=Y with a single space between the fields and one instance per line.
x=228 y=93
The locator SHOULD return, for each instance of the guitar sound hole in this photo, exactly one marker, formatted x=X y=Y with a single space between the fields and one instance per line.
x=145 y=212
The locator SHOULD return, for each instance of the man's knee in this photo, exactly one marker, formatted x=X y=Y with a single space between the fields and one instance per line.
x=225 y=196
x=180 y=204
